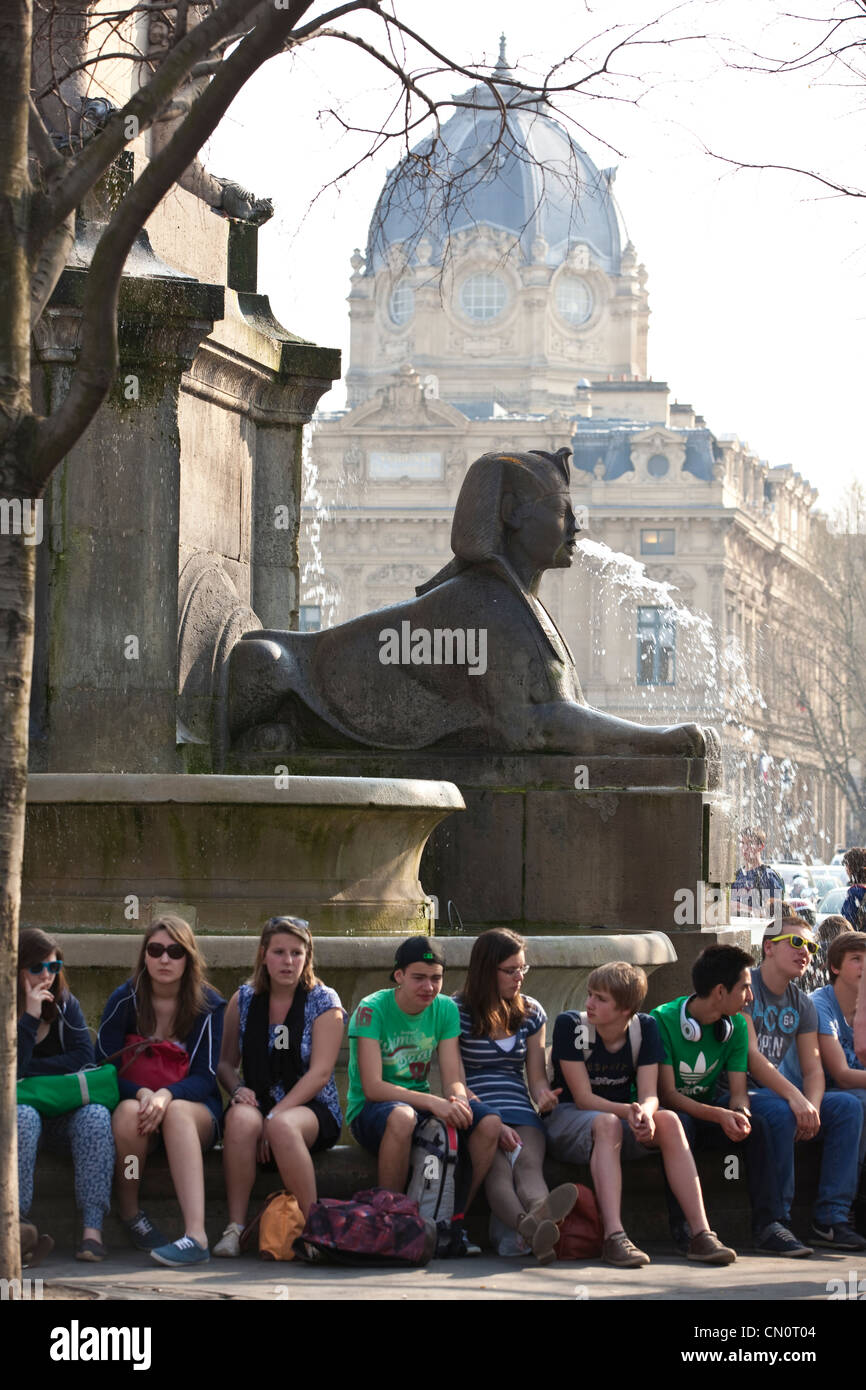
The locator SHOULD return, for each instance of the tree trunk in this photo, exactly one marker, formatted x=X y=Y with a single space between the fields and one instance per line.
x=17 y=571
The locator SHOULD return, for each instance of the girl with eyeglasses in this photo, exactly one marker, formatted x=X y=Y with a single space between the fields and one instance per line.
x=502 y=1048
x=164 y=1026
x=283 y=1032
x=54 y=1040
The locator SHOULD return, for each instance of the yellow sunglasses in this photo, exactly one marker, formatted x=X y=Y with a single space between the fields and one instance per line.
x=798 y=942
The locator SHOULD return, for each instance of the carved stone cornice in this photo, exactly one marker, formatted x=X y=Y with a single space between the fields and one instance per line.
x=226 y=379
x=161 y=322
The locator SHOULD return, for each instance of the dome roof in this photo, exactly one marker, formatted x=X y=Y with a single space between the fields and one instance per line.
x=530 y=180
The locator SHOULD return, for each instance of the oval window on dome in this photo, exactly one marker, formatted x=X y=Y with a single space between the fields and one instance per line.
x=483 y=296
x=574 y=300
x=401 y=305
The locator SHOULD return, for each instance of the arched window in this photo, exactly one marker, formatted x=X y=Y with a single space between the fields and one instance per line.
x=401 y=306
x=574 y=300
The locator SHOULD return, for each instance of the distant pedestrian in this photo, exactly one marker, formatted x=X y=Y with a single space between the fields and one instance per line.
x=757 y=886
x=852 y=907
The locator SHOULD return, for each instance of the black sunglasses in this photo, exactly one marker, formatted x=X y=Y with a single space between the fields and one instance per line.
x=55 y=966
x=156 y=950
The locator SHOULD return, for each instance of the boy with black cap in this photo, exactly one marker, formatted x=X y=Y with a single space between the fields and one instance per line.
x=392 y=1037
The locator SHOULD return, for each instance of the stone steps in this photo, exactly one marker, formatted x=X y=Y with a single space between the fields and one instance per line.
x=346 y=1169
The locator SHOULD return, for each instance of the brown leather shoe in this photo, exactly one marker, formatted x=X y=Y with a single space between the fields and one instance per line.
x=618 y=1250
x=708 y=1250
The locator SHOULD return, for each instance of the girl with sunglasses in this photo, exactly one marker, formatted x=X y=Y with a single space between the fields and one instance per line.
x=53 y=1040
x=502 y=1048
x=284 y=1030
x=165 y=1027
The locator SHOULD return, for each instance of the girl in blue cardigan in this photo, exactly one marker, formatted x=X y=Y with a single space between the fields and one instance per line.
x=168 y=1022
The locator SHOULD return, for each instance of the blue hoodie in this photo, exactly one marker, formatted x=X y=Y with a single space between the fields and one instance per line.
x=66 y=1048
x=203 y=1043
x=851 y=906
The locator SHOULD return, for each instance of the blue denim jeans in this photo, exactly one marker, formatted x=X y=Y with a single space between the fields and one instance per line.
x=842 y=1118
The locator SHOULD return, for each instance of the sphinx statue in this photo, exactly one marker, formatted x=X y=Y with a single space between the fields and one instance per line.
x=473 y=662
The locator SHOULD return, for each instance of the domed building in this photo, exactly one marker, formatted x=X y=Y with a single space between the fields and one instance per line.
x=496 y=264
x=498 y=304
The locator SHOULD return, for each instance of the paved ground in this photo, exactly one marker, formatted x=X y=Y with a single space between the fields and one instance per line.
x=754 y=1278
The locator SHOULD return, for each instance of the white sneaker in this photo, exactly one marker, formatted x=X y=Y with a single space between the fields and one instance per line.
x=228 y=1247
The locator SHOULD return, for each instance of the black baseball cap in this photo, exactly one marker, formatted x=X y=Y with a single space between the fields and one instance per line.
x=415 y=949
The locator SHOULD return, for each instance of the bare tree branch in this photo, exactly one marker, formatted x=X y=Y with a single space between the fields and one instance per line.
x=841 y=188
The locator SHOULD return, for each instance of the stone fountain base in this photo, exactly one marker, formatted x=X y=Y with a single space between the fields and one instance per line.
x=107 y=852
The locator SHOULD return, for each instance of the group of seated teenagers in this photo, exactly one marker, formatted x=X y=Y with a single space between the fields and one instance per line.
x=747 y=1060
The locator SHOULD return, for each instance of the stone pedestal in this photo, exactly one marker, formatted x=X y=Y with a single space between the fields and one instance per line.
x=537 y=854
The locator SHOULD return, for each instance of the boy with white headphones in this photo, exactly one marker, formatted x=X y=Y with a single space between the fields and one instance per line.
x=704 y=1035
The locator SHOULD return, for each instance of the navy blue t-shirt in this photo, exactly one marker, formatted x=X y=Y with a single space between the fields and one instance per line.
x=611 y=1074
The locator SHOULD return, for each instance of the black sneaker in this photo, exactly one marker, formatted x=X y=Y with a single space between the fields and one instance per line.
x=143 y=1234
x=681 y=1236
x=838 y=1237
x=453 y=1243
x=776 y=1239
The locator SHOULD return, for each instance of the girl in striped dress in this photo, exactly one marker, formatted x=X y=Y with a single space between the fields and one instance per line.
x=502 y=1047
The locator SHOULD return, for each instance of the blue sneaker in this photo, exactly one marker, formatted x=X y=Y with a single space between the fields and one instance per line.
x=179 y=1253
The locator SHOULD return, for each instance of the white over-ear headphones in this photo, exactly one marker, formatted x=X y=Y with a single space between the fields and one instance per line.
x=691 y=1029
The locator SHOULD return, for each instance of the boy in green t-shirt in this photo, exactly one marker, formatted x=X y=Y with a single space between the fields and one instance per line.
x=392 y=1037
x=705 y=1034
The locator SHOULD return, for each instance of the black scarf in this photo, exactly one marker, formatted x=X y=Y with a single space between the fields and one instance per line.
x=261 y=1067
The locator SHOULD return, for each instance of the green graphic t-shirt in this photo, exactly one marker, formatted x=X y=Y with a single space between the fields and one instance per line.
x=699 y=1065
x=407 y=1042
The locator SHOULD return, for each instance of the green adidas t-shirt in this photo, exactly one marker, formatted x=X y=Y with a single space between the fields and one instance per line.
x=699 y=1065
x=407 y=1042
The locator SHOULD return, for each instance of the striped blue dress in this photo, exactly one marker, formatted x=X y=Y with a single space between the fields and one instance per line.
x=496 y=1075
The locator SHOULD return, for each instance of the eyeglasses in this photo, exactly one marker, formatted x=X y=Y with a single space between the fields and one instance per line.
x=156 y=950
x=798 y=942
x=514 y=970
x=54 y=966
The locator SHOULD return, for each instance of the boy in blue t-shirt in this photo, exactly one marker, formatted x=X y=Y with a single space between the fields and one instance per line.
x=835 y=1006
x=608 y=1065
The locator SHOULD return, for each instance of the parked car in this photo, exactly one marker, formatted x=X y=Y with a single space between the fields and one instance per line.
x=831 y=903
x=798 y=881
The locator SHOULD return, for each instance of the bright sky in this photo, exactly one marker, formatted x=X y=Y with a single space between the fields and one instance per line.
x=757 y=280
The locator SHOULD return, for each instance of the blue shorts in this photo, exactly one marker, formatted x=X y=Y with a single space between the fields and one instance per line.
x=369 y=1124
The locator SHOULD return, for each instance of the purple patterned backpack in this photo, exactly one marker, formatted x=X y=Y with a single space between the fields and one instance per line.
x=376 y=1227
